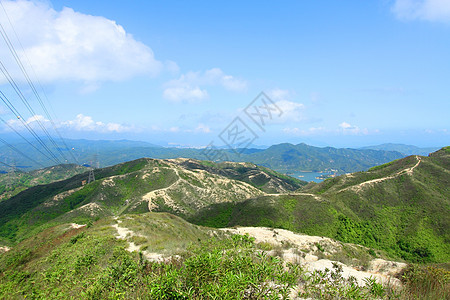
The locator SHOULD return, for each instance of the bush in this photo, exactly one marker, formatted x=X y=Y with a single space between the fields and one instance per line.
x=426 y=282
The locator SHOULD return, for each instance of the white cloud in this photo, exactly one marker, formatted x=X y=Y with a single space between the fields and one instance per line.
x=278 y=94
x=189 y=87
x=86 y=123
x=185 y=92
x=429 y=10
x=172 y=67
x=304 y=132
x=203 y=128
x=292 y=111
x=68 y=45
x=32 y=121
x=347 y=128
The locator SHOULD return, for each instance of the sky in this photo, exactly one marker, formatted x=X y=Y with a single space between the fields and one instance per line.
x=188 y=73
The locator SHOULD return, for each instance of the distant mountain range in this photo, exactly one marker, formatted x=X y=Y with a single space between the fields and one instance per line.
x=284 y=158
x=403 y=149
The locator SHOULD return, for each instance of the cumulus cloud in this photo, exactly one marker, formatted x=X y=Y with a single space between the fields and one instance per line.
x=32 y=121
x=429 y=10
x=291 y=111
x=185 y=92
x=190 y=86
x=347 y=128
x=68 y=45
x=86 y=123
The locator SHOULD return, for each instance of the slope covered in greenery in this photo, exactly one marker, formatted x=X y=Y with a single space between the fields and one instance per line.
x=94 y=262
x=13 y=183
x=402 y=207
x=263 y=178
x=178 y=186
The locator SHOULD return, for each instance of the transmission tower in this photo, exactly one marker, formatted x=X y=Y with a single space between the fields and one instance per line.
x=91 y=177
x=94 y=164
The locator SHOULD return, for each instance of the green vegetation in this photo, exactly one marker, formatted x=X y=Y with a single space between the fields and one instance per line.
x=399 y=210
x=262 y=178
x=12 y=184
x=123 y=188
x=89 y=263
x=405 y=213
x=426 y=282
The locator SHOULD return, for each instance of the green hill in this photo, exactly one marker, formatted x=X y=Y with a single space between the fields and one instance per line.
x=178 y=186
x=13 y=183
x=402 y=207
x=128 y=245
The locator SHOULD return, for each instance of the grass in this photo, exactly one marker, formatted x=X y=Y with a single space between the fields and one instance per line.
x=426 y=282
x=90 y=263
x=405 y=215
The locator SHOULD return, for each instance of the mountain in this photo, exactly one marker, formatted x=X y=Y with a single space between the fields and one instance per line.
x=85 y=151
x=286 y=158
x=403 y=149
x=15 y=182
x=302 y=157
x=402 y=207
x=135 y=232
x=179 y=186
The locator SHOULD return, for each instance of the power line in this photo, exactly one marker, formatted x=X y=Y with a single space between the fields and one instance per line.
x=29 y=143
x=20 y=152
x=27 y=104
x=30 y=82
x=27 y=126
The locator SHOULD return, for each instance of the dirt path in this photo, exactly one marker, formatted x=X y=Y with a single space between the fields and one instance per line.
x=301 y=247
x=124 y=233
x=408 y=171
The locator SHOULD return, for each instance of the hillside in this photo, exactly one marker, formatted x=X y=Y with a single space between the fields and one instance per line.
x=14 y=183
x=402 y=207
x=135 y=232
x=161 y=256
x=178 y=186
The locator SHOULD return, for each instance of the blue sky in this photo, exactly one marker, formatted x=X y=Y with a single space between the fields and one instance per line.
x=344 y=74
